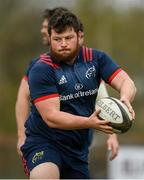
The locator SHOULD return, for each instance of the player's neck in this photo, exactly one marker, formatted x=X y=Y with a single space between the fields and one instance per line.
x=70 y=62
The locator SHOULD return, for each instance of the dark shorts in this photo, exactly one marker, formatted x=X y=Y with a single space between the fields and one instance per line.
x=69 y=167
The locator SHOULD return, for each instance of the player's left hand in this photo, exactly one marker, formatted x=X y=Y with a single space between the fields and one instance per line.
x=130 y=108
x=113 y=146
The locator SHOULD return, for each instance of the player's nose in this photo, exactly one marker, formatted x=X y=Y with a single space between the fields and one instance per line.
x=63 y=43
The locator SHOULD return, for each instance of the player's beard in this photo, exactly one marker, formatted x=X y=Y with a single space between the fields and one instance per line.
x=68 y=56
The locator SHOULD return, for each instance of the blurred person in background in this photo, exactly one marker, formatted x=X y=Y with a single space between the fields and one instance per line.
x=23 y=97
x=58 y=132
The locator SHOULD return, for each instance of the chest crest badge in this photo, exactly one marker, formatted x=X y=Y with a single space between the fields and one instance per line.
x=91 y=72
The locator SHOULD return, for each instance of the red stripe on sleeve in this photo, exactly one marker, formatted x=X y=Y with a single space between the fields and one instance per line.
x=114 y=75
x=90 y=53
x=87 y=54
x=45 y=97
x=25 y=78
x=84 y=55
x=55 y=66
x=44 y=56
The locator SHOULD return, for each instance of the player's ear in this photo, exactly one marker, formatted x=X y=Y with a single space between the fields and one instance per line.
x=81 y=37
x=49 y=38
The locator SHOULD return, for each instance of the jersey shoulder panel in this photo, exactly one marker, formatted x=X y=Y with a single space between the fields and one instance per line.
x=90 y=54
x=43 y=68
x=42 y=79
x=108 y=67
x=31 y=63
x=42 y=62
x=86 y=54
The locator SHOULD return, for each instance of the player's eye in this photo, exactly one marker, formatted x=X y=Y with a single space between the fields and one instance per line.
x=57 y=39
x=69 y=37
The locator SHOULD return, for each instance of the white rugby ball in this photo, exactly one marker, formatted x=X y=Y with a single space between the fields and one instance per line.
x=116 y=112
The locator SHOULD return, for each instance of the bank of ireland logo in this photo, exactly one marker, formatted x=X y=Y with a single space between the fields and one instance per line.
x=37 y=156
x=78 y=86
x=91 y=72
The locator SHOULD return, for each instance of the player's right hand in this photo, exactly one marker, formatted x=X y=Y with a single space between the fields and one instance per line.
x=101 y=125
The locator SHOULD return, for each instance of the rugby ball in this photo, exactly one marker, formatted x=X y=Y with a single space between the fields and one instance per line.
x=116 y=112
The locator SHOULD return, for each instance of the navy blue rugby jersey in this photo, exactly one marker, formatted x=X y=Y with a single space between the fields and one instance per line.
x=76 y=85
x=32 y=62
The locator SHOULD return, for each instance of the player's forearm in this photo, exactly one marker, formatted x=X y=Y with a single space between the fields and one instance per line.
x=67 y=121
x=20 y=131
x=128 y=90
x=22 y=111
x=22 y=106
x=125 y=86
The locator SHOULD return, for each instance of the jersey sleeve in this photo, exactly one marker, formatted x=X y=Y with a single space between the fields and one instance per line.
x=32 y=62
x=108 y=68
x=42 y=83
